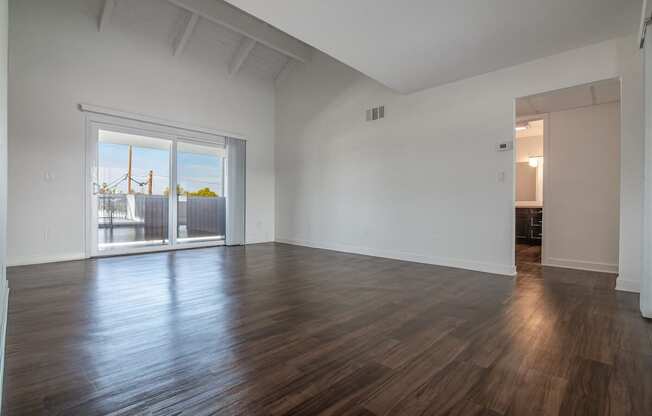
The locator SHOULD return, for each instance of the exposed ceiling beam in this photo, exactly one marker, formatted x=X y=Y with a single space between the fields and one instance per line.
x=107 y=11
x=245 y=48
x=183 y=38
x=646 y=20
x=235 y=19
x=283 y=73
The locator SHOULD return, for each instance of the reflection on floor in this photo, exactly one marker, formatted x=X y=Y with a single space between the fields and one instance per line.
x=527 y=255
x=273 y=329
x=135 y=233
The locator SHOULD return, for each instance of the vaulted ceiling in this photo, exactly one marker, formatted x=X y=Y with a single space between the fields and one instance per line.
x=243 y=43
x=416 y=44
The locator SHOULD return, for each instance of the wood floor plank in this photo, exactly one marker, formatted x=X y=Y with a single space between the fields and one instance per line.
x=538 y=394
x=414 y=373
x=587 y=389
x=273 y=329
x=443 y=391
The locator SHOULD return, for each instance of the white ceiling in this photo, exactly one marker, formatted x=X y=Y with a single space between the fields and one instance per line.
x=534 y=129
x=600 y=92
x=417 y=44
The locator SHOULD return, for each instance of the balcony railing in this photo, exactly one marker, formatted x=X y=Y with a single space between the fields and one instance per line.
x=131 y=218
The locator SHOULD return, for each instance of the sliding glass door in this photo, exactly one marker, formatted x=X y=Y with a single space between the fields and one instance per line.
x=131 y=190
x=201 y=205
x=151 y=191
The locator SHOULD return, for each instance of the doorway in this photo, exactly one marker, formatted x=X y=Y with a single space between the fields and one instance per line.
x=567 y=178
x=529 y=174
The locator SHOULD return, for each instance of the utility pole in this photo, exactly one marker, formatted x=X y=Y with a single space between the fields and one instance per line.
x=150 y=181
x=129 y=173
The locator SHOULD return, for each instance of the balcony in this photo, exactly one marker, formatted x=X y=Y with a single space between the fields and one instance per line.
x=126 y=220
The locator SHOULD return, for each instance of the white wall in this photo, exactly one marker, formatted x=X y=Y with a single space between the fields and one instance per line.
x=422 y=184
x=646 y=278
x=58 y=60
x=631 y=168
x=581 y=214
x=526 y=183
x=528 y=146
x=4 y=291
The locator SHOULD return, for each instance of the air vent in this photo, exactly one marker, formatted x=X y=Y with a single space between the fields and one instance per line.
x=376 y=113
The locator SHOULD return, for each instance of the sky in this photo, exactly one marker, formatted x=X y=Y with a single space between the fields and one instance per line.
x=194 y=171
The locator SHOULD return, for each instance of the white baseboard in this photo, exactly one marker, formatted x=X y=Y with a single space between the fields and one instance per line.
x=26 y=261
x=626 y=285
x=503 y=269
x=646 y=311
x=263 y=241
x=580 y=265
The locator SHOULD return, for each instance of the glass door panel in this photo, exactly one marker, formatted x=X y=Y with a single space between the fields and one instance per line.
x=132 y=191
x=201 y=206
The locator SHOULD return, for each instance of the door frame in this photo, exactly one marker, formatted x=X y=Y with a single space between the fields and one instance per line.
x=95 y=122
x=548 y=192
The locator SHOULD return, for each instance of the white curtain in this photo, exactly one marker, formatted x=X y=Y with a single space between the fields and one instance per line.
x=235 y=191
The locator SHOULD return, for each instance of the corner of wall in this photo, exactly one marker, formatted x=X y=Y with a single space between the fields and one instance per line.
x=624 y=284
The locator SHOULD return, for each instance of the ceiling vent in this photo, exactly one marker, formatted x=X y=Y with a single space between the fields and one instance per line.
x=376 y=113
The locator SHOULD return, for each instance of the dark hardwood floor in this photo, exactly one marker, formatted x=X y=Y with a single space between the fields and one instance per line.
x=275 y=329
x=527 y=254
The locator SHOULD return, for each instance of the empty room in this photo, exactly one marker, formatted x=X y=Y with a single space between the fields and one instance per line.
x=302 y=207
